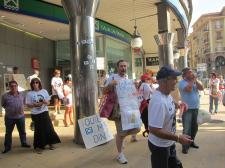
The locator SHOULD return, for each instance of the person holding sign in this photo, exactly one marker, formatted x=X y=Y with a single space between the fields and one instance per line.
x=112 y=84
x=162 y=122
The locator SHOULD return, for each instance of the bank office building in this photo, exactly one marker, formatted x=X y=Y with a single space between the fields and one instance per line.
x=19 y=47
x=38 y=30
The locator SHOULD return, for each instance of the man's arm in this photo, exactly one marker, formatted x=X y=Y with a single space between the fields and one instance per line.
x=161 y=133
x=3 y=101
x=199 y=85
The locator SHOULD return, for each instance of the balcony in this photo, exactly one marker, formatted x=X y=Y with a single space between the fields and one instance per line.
x=219 y=38
x=218 y=27
x=205 y=29
x=219 y=49
x=206 y=51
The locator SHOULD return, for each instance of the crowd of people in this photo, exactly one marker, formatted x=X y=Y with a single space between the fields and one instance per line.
x=37 y=99
x=158 y=102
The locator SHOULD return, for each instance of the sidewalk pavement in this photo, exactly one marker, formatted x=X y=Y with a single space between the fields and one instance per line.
x=210 y=138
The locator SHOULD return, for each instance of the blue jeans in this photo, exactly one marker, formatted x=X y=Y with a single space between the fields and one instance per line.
x=190 y=125
x=9 y=126
x=215 y=100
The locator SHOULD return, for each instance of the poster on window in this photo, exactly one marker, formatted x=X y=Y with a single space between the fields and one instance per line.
x=94 y=131
x=129 y=105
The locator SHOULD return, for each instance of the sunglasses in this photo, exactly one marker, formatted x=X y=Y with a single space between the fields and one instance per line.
x=36 y=83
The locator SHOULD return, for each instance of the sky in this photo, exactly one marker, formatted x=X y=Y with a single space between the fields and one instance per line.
x=201 y=7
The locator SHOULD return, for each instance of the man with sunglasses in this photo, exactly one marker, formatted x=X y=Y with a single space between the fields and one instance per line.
x=13 y=102
x=162 y=122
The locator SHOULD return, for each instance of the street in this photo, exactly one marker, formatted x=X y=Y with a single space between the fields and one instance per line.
x=210 y=138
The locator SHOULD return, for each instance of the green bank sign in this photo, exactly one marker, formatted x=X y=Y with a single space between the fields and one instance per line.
x=41 y=9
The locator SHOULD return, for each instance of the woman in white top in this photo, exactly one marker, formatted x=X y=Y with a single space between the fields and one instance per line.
x=146 y=91
x=57 y=90
x=67 y=89
x=44 y=133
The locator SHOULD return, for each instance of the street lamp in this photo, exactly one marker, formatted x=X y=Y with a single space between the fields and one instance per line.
x=136 y=41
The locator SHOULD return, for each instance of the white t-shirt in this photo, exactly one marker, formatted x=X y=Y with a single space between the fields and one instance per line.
x=214 y=86
x=146 y=91
x=29 y=78
x=115 y=77
x=57 y=86
x=68 y=100
x=161 y=114
x=37 y=96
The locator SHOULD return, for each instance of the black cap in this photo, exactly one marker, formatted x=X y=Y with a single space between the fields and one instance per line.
x=167 y=71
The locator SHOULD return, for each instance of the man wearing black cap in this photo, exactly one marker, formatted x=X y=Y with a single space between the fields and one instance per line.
x=189 y=88
x=162 y=122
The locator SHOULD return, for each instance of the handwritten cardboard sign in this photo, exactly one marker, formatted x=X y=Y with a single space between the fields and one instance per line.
x=94 y=131
x=129 y=105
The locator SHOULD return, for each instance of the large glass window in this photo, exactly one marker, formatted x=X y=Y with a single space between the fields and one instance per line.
x=116 y=50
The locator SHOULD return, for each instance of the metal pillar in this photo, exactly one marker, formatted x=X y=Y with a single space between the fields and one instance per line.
x=81 y=15
x=164 y=38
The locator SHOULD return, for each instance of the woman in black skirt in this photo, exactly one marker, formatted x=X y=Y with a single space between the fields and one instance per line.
x=44 y=134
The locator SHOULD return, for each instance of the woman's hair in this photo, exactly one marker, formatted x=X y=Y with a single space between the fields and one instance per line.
x=33 y=81
x=56 y=71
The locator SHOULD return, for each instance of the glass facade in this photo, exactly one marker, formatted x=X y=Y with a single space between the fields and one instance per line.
x=116 y=50
x=110 y=49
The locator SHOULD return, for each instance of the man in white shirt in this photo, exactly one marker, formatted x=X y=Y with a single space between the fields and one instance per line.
x=162 y=122
x=111 y=82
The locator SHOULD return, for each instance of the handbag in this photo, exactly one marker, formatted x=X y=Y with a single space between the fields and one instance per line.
x=144 y=104
x=107 y=104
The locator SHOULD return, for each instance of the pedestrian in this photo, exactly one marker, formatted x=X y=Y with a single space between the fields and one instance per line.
x=189 y=88
x=68 y=101
x=29 y=78
x=34 y=75
x=111 y=82
x=214 y=93
x=57 y=90
x=145 y=90
x=15 y=70
x=44 y=134
x=162 y=122
x=101 y=82
x=13 y=102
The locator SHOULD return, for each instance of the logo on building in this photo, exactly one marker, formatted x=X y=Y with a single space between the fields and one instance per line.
x=11 y=4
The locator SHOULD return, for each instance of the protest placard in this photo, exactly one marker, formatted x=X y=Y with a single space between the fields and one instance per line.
x=129 y=106
x=94 y=131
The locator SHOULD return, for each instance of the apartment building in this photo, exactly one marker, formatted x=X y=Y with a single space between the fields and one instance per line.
x=207 y=43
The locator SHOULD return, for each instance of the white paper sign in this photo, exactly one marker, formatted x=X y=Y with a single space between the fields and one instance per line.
x=129 y=105
x=94 y=131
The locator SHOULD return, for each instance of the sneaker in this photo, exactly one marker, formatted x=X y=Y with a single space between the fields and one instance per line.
x=5 y=151
x=121 y=159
